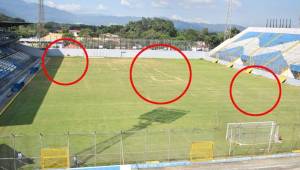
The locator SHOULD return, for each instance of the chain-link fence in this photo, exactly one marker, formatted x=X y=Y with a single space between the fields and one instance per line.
x=129 y=147
x=122 y=43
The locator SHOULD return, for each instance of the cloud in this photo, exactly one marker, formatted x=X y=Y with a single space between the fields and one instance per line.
x=71 y=7
x=196 y=20
x=132 y=3
x=126 y=3
x=184 y=3
x=101 y=7
x=197 y=3
x=159 y=3
x=235 y=3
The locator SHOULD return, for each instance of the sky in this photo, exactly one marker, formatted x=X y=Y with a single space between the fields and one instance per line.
x=244 y=12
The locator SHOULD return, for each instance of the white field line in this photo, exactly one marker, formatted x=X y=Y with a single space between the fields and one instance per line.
x=168 y=75
x=192 y=94
x=154 y=78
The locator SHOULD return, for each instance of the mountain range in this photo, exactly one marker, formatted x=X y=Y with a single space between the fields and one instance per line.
x=16 y=8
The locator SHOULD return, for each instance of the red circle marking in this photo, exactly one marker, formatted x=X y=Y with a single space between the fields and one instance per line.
x=249 y=113
x=164 y=102
x=46 y=71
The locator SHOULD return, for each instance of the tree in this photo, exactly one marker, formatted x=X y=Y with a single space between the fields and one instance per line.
x=86 y=32
x=214 y=39
x=53 y=26
x=234 y=31
x=158 y=28
x=68 y=35
x=191 y=35
x=26 y=31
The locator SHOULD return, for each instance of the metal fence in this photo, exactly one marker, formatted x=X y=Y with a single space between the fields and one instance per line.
x=122 y=43
x=129 y=147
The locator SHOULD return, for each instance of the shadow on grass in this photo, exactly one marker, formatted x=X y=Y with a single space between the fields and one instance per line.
x=8 y=161
x=23 y=109
x=159 y=115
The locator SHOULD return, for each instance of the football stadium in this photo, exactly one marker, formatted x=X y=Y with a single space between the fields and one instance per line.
x=153 y=107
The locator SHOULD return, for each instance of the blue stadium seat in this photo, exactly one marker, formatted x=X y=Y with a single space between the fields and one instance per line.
x=273 y=60
x=295 y=68
x=267 y=49
x=12 y=60
x=5 y=51
x=265 y=38
x=231 y=54
x=6 y=68
x=286 y=38
x=248 y=35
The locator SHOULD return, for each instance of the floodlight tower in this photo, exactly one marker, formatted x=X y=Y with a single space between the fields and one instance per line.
x=41 y=19
x=227 y=32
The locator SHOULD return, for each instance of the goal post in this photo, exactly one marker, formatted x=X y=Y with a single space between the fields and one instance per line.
x=252 y=133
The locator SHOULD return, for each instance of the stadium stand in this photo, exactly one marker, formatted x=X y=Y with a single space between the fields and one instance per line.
x=275 y=48
x=16 y=65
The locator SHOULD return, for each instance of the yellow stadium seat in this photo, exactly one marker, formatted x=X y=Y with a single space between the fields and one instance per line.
x=282 y=78
x=201 y=151
x=249 y=71
x=230 y=65
x=215 y=61
x=55 y=158
x=296 y=151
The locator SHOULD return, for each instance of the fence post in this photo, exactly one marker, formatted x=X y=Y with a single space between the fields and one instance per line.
x=41 y=144
x=121 y=149
x=217 y=120
x=95 y=143
x=169 y=143
x=41 y=140
x=145 y=147
x=14 y=150
x=293 y=138
x=68 y=143
x=68 y=140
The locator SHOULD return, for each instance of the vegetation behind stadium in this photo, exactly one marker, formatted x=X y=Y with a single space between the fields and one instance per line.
x=146 y=28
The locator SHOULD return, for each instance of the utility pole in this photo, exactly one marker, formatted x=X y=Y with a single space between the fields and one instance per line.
x=227 y=32
x=41 y=20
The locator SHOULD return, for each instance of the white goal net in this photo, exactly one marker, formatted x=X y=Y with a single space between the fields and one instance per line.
x=253 y=133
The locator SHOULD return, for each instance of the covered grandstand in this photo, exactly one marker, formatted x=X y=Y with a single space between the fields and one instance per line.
x=16 y=65
x=275 y=48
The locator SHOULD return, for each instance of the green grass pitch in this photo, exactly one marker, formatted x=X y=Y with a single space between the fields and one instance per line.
x=105 y=102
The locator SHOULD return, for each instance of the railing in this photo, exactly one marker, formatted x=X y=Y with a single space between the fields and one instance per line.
x=130 y=147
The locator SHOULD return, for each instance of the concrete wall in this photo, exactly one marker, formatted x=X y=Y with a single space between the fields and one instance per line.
x=98 y=53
